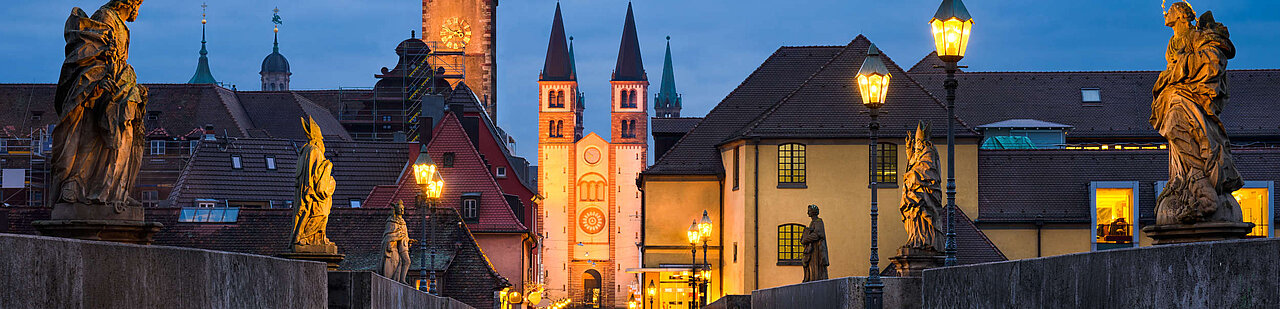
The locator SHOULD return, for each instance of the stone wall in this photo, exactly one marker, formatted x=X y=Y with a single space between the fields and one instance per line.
x=846 y=293
x=1228 y=274
x=348 y=289
x=731 y=302
x=47 y=272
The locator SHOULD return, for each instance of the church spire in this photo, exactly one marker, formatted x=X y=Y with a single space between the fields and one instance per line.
x=573 y=63
x=667 y=102
x=559 y=63
x=203 y=74
x=630 y=67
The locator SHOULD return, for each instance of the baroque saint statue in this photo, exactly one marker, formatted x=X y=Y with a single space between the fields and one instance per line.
x=922 y=194
x=98 y=141
x=395 y=245
x=814 y=239
x=1189 y=97
x=315 y=195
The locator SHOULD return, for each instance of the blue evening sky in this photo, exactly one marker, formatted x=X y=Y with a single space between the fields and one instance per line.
x=717 y=43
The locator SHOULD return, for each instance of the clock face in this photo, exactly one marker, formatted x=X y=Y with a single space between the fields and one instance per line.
x=592 y=155
x=591 y=220
x=455 y=33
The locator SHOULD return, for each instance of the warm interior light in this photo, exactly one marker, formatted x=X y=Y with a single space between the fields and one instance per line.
x=1114 y=215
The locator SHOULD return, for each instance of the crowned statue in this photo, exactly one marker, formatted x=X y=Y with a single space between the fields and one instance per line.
x=1189 y=97
x=921 y=207
x=98 y=140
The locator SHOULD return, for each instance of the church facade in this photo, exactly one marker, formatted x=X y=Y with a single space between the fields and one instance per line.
x=591 y=204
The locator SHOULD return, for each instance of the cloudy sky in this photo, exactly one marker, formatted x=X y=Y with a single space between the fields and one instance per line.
x=717 y=43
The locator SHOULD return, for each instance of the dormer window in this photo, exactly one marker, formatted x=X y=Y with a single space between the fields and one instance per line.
x=236 y=162
x=1091 y=96
x=271 y=163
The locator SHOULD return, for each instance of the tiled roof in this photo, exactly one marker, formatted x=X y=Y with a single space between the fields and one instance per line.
x=278 y=113
x=781 y=73
x=468 y=175
x=802 y=92
x=987 y=97
x=929 y=64
x=673 y=125
x=1053 y=185
x=828 y=105
x=358 y=167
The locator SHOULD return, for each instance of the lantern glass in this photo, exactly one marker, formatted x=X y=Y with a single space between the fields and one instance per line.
x=951 y=36
x=873 y=89
x=704 y=226
x=652 y=290
x=693 y=233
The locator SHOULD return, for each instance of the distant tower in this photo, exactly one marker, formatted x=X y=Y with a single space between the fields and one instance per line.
x=667 y=103
x=581 y=104
x=203 y=75
x=275 y=69
x=465 y=37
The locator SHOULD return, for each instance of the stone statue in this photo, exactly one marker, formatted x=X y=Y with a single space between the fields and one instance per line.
x=814 y=239
x=395 y=245
x=315 y=195
x=98 y=141
x=922 y=193
x=1188 y=99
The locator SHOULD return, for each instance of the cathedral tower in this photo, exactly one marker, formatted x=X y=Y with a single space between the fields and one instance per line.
x=464 y=34
x=630 y=88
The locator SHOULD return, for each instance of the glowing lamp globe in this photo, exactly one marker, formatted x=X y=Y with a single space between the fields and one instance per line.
x=704 y=226
x=426 y=175
x=693 y=233
x=951 y=30
x=652 y=289
x=534 y=297
x=873 y=79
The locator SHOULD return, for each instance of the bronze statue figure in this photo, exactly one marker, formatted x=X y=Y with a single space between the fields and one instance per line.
x=1188 y=99
x=395 y=245
x=98 y=141
x=814 y=239
x=315 y=195
x=922 y=193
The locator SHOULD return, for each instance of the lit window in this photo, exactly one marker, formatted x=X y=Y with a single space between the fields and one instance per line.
x=386 y=118
x=1256 y=205
x=1115 y=214
x=271 y=163
x=206 y=203
x=157 y=147
x=791 y=164
x=209 y=214
x=355 y=203
x=1091 y=96
x=789 y=248
x=235 y=162
x=887 y=163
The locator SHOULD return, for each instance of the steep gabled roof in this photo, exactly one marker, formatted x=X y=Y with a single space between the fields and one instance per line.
x=630 y=67
x=469 y=175
x=558 y=66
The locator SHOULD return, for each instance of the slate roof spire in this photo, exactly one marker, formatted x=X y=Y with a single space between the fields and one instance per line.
x=630 y=67
x=203 y=74
x=558 y=66
x=667 y=103
x=573 y=62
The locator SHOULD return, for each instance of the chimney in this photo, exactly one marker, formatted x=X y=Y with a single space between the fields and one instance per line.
x=429 y=116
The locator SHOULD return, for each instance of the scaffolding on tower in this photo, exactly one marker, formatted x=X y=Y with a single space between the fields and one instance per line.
x=390 y=110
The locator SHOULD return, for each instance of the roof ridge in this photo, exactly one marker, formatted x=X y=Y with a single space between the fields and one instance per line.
x=760 y=118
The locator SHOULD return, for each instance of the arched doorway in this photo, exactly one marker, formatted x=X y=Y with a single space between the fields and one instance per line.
x=592 y=295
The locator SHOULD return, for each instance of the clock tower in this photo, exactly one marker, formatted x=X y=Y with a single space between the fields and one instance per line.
x=464 y=35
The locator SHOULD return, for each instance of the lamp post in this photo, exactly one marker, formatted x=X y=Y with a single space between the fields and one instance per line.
x=950 y=27
x=426 y=175
x=704 y=231
x=873 y=85
x=653 y=291
x=694 y=236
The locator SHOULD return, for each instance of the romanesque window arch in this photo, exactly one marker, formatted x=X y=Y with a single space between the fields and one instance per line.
x=591 y=187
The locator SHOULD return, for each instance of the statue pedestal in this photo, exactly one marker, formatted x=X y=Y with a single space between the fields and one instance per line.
x=122 y=223
x=327 y=253
x=1198 y=232
x=912 y=262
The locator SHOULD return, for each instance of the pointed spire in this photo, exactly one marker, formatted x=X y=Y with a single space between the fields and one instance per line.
x=558 y=66
x=275 y=39
x=667 y=103
x=573 y=62
x=630 y=66
x=203 y=74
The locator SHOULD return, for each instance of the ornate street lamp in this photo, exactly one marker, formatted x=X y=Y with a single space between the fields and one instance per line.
x=431 y=186
x=695 y=236
x=653 y=292
x=873 y=87
x=704 y=231
x=951 y=37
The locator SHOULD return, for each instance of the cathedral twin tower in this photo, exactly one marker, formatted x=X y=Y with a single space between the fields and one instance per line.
x=591 y=206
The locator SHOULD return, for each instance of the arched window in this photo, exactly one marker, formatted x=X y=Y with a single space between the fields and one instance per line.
x=790 y=251
x=622 y=98
x=791 y=164
x=559 y=126
x=591 y=187
x=560 y=98
x=551 y=128
x=623 y=130
x=632 y=101
x=631 y=129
